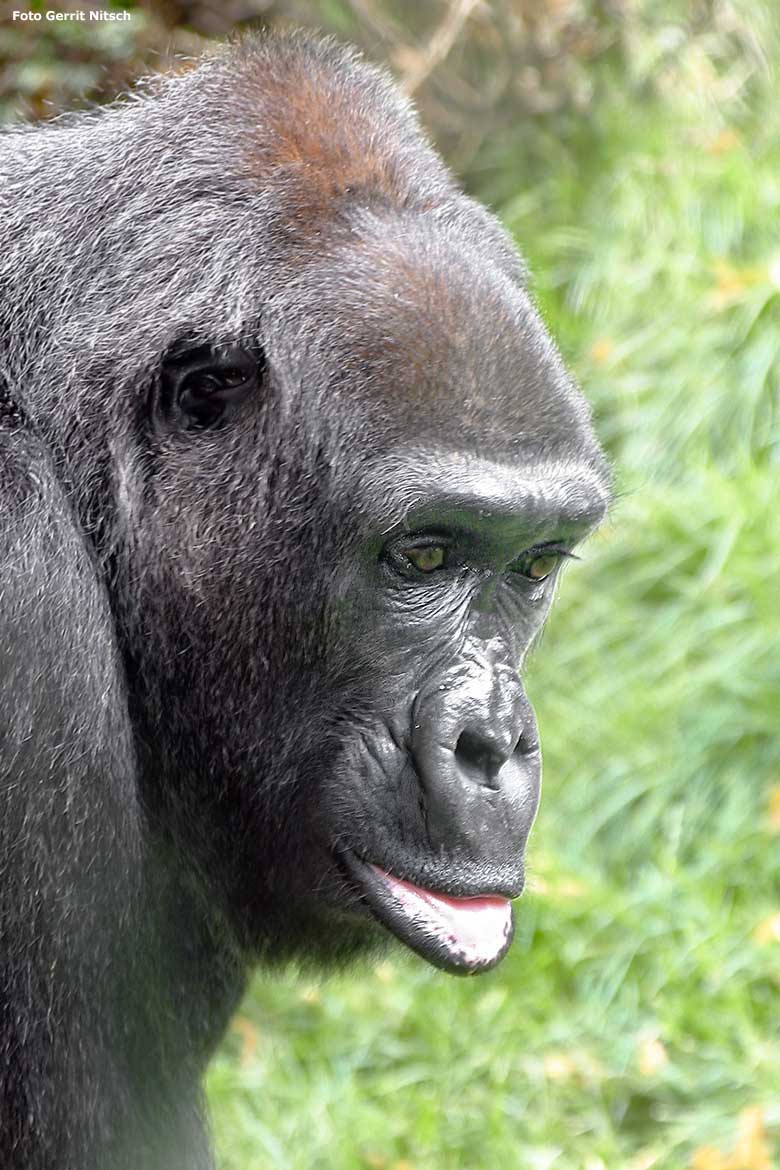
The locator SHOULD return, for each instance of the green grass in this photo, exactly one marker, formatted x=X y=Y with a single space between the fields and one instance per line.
x=637 y=1015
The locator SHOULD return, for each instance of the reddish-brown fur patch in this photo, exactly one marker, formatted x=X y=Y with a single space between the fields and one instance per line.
x=328 y=128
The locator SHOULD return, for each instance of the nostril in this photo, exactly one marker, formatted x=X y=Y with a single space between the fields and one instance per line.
x=527 y=744
x=480 y=759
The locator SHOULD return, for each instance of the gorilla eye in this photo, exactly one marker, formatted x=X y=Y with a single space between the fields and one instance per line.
x=537 y=564
x=427 y=558
x=200 y=384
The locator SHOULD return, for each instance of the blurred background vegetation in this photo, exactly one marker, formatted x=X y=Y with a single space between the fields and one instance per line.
x=633 y=148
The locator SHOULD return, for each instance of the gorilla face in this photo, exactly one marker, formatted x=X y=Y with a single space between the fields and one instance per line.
x=355 y=523
x=441 y=787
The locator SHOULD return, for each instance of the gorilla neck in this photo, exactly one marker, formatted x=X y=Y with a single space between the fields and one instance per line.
x=184 y=999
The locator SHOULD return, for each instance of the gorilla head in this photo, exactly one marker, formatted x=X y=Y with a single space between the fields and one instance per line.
x=355 y=512
x=325 y=464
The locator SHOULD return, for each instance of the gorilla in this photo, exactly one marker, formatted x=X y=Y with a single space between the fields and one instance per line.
x=288 y=469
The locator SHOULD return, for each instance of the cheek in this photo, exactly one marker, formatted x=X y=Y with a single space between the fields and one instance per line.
x=413 y=629
x=431 y=612
x=203 y=536
x=415 y=638
x=202 y=486
x=520 y=614
x=433 y=624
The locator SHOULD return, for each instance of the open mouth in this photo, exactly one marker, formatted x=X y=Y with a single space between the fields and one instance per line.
x=464 y=936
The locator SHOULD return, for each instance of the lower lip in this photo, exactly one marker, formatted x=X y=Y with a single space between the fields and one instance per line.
x=464 y=936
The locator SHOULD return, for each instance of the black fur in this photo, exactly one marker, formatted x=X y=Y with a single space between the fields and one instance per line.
x=213 y=657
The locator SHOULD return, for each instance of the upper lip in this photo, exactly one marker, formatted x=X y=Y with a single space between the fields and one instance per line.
x=458 y=880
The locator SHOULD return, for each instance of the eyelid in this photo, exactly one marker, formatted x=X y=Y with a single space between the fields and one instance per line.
x=407 y=543
x=540 y=550
x=424 y=540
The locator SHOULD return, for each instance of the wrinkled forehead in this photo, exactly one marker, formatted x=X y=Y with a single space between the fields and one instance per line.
x=415 y=322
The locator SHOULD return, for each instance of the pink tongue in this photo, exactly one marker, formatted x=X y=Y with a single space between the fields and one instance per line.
x=477 y=928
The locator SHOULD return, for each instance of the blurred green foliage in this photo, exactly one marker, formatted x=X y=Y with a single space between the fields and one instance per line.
x=634 y=150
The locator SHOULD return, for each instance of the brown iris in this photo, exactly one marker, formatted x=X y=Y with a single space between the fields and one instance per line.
x=542 y=565
x=427 y=558
x=538 y=564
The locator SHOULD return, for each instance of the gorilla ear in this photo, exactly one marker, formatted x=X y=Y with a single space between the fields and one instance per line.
x=199 y=385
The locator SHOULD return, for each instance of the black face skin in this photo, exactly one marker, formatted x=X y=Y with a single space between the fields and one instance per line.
x=452 y=597
x=289 y=468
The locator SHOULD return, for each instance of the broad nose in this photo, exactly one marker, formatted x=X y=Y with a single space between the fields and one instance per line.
x=476 y=754
x=493 y=726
